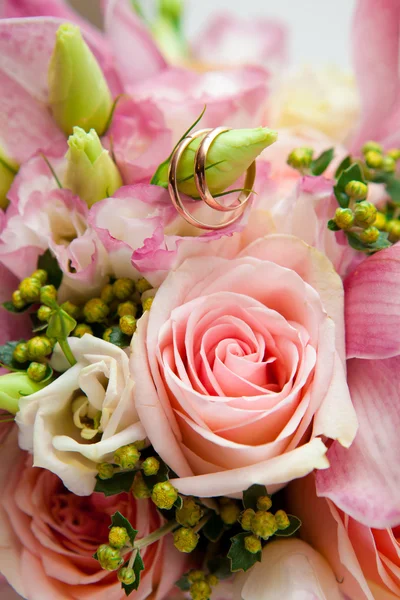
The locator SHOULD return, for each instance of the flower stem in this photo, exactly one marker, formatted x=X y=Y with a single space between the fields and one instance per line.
x=156 y=535
x=201 y=523
x=65 y=347
x=132 y=559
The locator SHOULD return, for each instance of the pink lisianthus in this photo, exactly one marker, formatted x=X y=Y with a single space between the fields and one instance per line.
x=239 y=370
x=48 y=537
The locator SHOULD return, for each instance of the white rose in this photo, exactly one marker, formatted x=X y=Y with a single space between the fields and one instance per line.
x=84 y=416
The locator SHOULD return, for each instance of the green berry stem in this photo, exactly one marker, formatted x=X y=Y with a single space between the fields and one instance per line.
x=202 y=522
x=132 y=559
x=156 y=535
x=66 y=348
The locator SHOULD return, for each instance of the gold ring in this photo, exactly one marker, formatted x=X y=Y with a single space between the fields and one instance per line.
x=201 y=183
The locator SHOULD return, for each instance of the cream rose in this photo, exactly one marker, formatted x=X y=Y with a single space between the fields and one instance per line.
x=84 y=416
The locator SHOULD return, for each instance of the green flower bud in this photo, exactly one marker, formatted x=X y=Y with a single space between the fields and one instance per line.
x=127 y=324
x=365 y=213
x=141 y=444
x=146 y=304
x=91 y=172
x=127 y=308
x=109 y=558
x=282 y=520
x=95 y=310
x=123 y=288
x=185 y=539
x=200 y=590
x=389 y=164
x=196 y=575
x=357 y=190
x=229 y=512
x=118 y=537
x=39 y=347
x=300 y=158
x=380 y=221
x=37 y=371
x=126 y=576
x=252 y=544
x=105 y=470
x=78 y=91
x=8 y=170
x=246 y=519
x=48 y=295
x=139 y=487
x=17 y=300
x=372 y=147
x=151 y=466
x=40 y=275
x=71 y=309
x=190 y=513
x=13 y=386
x=164 y=495
x=81 y=329
x=394 y=153
x=107 y=293
x=374 y=159
x=142 y=285
x=264 y=503
x=393 y=228
x=44 y=313
x=20 y=353
x=231 y=153
x=369 y=235
x=264 y=524
x=107 y=334
x=127 y=456
x=212 y=580
x=30 y=289
x=344 y=218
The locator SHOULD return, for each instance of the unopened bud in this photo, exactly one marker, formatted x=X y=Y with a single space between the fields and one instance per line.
x=252 y=544
x=127 y=308
x=393 y=229
x=212 y=580
x=127 y=456
x=109 y=558
x=246 y=519
x=151 y=466
x=185 y=539
x=264 y=524
x=38 y=347
x=30 y=289
x=107 y=293
x=369 y=235
x=123 y=288
x=264 y=503
x=71 y=309
x=282 y=520
x=394 y=153
x=196 y=575
x=107 y=334
x=164 y=495
x=126 y=576
x=229 y=512
x=95 y=310
x=139 y=488
x=40 y=275
x=200 y=590
x=189 y=514
x=127 y=324
x=37 y=371
x=15 y=385
x=81 y=329
x=300 y=158
x=344 y=218
x=48 y=295
x=365 y=213
x=44 y=313
x=380 y=221
x=389 y=164
x=105 y=471
x=118 y=537
x=146 y=304
x=20 y=353
x=357 y=190
x=372 y=147
x=141 y=444
x=374 y=159
x=142 y=285
x=17 y=300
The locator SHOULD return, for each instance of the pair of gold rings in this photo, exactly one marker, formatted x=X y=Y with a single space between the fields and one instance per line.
x=237 y=207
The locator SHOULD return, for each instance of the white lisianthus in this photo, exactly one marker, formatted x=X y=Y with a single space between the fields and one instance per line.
x=84 y=416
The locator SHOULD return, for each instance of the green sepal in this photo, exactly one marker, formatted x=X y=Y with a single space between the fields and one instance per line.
x=241 y=559
x=251 y=495
x=118 y=520
x=322 y=162
x=345 y=164
x=332 y=226
x=61 y=324
x=381 y=243
x=138 y=567
x=353 y=173
x=49 y=263
x=214 y=528
x=295 y=524
x=120 y=482
x=6 y=356
x=9 y=306
x=119 y=339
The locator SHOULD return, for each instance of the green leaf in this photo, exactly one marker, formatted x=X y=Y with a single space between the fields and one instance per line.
x=138 y=567
x=6 y=356
x=332 y=225
x=381 y=243
x=162 y=475
x=214 y=528
x=321 y=163
x=241 y=559
x=119 y=339
x=61 y=324
x=49 y=263
x=251 y=495
x=11 y=308
x=393 y=189
x=183 y=583
x=345 y=164
x=353 y=173
x=118 y=520
x=295 y=524
x=220 y=566
x=120 y=482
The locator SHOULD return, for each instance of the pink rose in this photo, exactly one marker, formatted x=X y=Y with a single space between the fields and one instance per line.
x=48 y=537
x=239 y=368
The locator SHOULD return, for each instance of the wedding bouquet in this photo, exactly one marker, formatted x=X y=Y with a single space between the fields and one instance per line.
x=200 y=278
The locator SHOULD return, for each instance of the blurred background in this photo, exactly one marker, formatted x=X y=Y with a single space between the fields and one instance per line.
x=319 y=30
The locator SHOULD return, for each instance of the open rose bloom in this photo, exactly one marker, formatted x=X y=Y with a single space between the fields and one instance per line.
x=199 y=349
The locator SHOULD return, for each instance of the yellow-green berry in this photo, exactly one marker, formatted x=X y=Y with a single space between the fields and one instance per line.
x=252 y=544
x=127 y=308
x=369 y=235
x=37 y=371
x=44 y=313
x=372 y=146
x=127 y=324
x=394 y=153
x=393 y=229
x=118 y=537
x=105 y=470
x=300 y=158
x=263 y=524
x=48 y=295
x=107 y=293
x=185 y=539
x=200 y=590
x=344 y=218
x=123 y=288
x=212 y=580
x=109 y=558
x=229 y=512
x=72 y=309
x=365 y=213
x=151 y=466
x=246 y=519
x=142 y=285
x=30 y=289
x=264 y=503
x=95 y=310
x=107 y=334
x=141 y=444
x=389 y=164
x=189 y=514
x=17 y=300
x=139 y=488
x=196 y=575
x=38 y=347
x=20 y=353
x=126 y=576
x=164 y=495
x=127 y=456
x=146 y=304
x=282 y=520
x=40 y=275
x=81 y=329
x=380 y=221
x=374 y=159
x=357 y=190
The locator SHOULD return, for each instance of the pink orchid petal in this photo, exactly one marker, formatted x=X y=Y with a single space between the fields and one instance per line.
x=364 y=480
x=372 y=306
